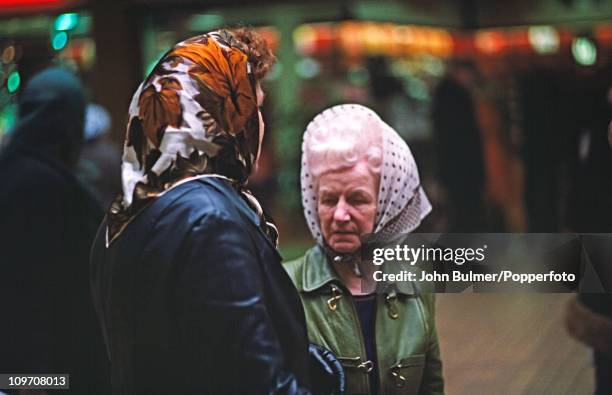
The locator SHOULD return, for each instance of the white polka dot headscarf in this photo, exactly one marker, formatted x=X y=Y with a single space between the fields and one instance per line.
x=402 y=202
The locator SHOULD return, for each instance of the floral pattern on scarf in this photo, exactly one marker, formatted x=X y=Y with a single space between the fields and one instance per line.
x=196 y=113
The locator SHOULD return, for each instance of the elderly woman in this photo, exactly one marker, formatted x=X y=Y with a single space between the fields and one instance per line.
x=359 y=177
x=186 y=279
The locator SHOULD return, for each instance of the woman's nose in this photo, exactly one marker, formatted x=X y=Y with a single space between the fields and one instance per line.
x=341 y=214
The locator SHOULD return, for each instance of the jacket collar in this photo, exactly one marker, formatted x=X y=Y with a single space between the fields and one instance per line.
x=318 y=272
x=226 y=189
x=223 y=186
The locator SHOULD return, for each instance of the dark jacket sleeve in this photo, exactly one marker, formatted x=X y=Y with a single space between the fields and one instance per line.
x=222 y=312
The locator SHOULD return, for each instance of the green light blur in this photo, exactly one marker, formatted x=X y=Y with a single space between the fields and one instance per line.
x=307 y=68
x=8 y=118
x=66 y=21
x=204 y=22
x=59 y=40
x=276 y=72
x=13 y=82
x=584 y=51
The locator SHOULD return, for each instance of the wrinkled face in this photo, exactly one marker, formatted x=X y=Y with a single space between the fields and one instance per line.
x=346 y=206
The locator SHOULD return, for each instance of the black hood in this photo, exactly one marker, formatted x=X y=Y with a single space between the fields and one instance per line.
x=51 y=117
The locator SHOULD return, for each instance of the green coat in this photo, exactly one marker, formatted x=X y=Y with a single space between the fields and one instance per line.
x=406 y=338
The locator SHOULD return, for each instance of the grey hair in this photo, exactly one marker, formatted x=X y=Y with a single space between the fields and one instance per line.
x=341 y=137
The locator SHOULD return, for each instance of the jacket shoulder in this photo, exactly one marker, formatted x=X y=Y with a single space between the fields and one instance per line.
x=199 y=199
x=295 y=269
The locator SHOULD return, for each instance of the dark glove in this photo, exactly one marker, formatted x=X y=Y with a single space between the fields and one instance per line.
x=326 y=371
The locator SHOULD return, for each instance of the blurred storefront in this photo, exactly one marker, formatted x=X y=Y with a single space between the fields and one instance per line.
x=389 y=55
x=34 y=34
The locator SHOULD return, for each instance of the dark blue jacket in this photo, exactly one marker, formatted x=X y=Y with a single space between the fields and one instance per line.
x=193 y=300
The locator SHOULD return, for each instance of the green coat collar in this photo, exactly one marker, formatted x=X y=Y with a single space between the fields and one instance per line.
x=317 y=273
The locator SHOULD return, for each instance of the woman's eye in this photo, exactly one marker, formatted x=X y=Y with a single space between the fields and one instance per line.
x=328 y=201
x=358 y=201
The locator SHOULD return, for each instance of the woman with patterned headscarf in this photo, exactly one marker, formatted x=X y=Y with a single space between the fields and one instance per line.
x=186 y=278
x=359 y=178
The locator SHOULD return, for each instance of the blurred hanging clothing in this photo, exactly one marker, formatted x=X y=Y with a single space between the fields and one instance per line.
x=47 y=225
x=459 y=151
x=100 y=163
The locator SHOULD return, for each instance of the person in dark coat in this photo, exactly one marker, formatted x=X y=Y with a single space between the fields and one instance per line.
x=47 y=225
x=459 y=146
x=186 y=278
x=589 y=316
x=545 y=122
x=99 y=164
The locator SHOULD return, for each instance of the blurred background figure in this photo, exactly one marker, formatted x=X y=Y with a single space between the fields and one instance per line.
x=383 y=85
x=589 y=320
x=590 y=191
x=459 y=148
x=99 y=164
x=545 y=128
x=48 y=223
x=589 y=317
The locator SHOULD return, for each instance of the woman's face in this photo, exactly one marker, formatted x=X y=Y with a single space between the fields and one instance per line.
x=346 y=206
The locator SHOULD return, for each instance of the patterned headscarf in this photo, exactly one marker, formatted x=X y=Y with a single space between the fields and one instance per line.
x=402 y=202
x=196 y=113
